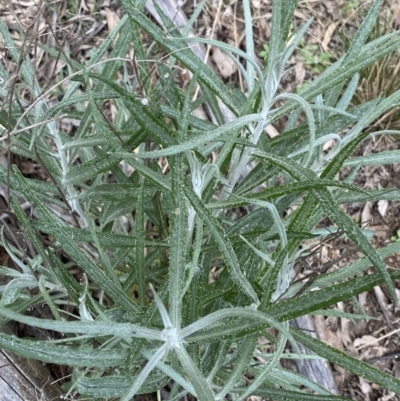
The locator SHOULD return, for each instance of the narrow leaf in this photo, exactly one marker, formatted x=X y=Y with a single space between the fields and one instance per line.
x=351 y=364
x=47 y=352
x=224 y=244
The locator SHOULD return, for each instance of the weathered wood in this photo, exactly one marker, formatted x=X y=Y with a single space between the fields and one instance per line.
x=23 y=379
x=316 y=370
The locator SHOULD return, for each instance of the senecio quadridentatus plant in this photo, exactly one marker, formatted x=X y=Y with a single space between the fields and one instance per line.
x=201 y=334
x=48 y=127
x=173 y=340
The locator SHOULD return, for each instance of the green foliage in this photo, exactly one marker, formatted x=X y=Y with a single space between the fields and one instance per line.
x=350 y=7
x=318 y=61
x=185 y=253
x=396 y=237
x=264 y=52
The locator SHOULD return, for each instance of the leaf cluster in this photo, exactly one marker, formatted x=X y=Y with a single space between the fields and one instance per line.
x=185 y=253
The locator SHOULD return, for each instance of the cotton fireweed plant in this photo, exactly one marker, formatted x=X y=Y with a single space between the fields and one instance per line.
x=185 y=254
